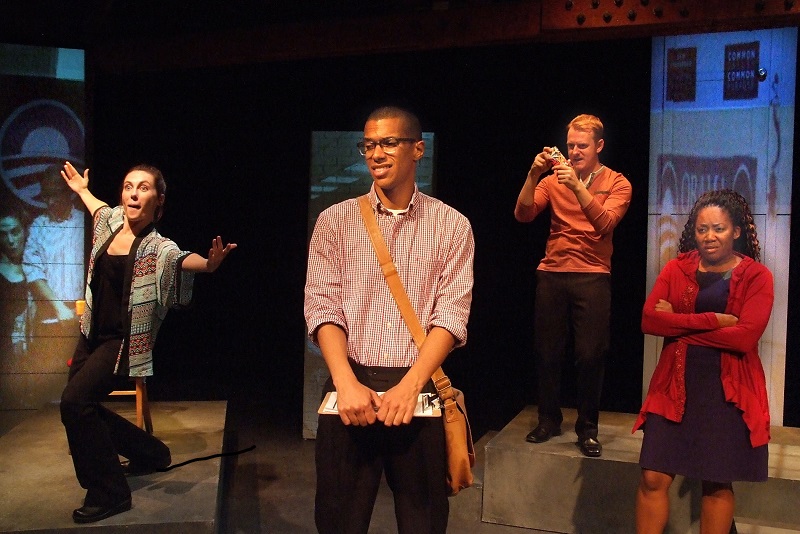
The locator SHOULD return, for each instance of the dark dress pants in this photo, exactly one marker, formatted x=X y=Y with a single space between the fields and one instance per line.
x=96 y=435
x=573 y=306
x=350 y=461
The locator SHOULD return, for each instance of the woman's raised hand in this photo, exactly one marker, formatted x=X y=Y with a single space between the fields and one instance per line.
x=74 y=180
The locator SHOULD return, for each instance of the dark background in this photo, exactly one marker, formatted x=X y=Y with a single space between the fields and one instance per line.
x=234 y=145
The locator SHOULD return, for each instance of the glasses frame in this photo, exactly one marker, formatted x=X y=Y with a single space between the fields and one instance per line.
x=388 y=144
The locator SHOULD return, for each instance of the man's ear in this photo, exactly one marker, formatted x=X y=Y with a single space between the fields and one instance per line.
x=419 y=150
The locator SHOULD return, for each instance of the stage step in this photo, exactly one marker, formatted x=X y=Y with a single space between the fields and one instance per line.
x=748 y=526
x=552 y=487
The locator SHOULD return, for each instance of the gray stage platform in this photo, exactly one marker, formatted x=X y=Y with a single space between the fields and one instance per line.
x=552 y=487
x=38 y=489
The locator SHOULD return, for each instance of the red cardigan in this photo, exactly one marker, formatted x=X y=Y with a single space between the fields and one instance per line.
x=742 y=376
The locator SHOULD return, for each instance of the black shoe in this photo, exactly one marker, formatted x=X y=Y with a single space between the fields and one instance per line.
x=590 y=447
x=134 y=469
x=542 y=433
x=90 y=514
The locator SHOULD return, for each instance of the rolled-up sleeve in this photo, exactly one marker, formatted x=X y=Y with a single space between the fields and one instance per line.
x=454 y=295
x=323 y=290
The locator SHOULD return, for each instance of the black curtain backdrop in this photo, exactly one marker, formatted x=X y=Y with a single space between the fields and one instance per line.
x=234 y=145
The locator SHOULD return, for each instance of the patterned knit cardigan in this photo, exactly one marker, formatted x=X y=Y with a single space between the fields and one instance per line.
x=157 y=283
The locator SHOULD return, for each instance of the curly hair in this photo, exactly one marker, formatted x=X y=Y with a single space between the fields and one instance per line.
x=737 y=209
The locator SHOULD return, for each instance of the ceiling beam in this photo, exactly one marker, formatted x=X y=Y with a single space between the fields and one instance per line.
x=505 y=22
x=416 y=30
x=603 y=18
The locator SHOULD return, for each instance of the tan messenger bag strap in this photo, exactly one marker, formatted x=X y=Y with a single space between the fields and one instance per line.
x=440 y=380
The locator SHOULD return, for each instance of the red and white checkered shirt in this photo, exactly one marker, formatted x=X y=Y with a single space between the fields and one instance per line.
x=433 y=249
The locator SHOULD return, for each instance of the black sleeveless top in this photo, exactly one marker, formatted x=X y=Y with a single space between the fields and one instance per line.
x=109 y=310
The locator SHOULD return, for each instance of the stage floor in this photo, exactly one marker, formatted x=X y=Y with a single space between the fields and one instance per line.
x=38 y=488
x=270 y=489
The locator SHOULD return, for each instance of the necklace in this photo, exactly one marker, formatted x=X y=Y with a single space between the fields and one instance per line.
x=591 y=176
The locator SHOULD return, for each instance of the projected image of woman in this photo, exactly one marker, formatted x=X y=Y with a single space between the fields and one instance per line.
x=16 y=304
x=706 y=414
x=135 y=275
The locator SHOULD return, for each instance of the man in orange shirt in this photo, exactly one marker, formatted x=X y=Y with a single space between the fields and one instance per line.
x=573 y=282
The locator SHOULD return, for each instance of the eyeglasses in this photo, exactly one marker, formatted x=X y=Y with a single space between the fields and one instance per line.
x=388 y=144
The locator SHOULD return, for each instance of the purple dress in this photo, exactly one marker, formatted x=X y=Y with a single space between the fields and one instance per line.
x=712 y=441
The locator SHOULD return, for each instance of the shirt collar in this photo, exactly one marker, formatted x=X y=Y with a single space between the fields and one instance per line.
x=377 y=205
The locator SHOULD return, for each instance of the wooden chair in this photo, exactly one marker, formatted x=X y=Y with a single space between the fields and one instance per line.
x=143 y=419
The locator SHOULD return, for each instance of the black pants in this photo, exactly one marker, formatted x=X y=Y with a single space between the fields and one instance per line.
x=351 y=459
x=96 y=435
x=576 y=304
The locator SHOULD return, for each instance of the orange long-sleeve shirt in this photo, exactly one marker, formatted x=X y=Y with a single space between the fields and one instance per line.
x=580 y=239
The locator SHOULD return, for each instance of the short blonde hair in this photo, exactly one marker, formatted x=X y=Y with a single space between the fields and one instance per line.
x=587 y=123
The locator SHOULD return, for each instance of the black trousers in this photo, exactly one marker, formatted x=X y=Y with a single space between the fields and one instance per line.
x=350 y=461
x=572 y=307
x=96 y=435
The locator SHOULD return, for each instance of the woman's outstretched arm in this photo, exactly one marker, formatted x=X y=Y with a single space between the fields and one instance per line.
x=216 y=254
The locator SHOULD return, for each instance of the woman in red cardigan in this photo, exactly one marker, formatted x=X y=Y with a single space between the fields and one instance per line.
x=706 y=414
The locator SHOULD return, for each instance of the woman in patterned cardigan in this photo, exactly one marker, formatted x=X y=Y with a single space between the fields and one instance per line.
x=135 y=276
